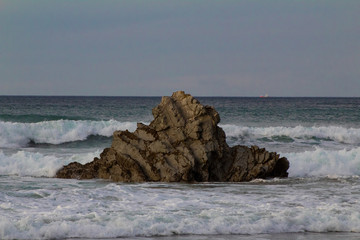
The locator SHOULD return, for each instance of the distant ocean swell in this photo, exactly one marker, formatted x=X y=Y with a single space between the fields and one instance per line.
x=33 y=118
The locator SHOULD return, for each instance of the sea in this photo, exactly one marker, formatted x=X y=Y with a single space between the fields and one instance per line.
x=320 y=199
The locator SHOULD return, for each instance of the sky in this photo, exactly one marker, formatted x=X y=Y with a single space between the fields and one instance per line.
x=204 y=47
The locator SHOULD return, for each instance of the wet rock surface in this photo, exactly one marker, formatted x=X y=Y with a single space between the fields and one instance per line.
x=182 y=144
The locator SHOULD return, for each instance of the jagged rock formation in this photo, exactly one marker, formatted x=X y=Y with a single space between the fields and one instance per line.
x=182 y=144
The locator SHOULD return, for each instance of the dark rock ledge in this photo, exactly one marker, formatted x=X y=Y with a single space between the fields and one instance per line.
x=182 y=144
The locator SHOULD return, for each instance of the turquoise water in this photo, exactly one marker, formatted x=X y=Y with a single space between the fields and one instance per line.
x=319 y=200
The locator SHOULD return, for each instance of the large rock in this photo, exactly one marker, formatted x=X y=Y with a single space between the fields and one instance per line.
x=182 y=144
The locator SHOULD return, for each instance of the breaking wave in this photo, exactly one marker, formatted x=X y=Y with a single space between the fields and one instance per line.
x=35 y=164
x=16 y=134
x=317 y=163
x=325 y=163
x=293 y=134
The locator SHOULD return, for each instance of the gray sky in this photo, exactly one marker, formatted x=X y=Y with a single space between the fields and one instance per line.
x=205 y=47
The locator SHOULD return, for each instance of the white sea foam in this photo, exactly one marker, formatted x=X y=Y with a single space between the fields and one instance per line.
x=321 y=162
x=13 y=135
x=26 y=163
x=301 y=133
x=61 y=209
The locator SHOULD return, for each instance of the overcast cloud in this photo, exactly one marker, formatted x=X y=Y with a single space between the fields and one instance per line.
x=205 y=47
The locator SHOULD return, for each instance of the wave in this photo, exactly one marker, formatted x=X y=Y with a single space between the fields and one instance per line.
x=33 y=118
x=209 y=225
x=317 y=163
x=324 y=163
x=60 y=210
x=19 y=134
x=92 y=141
x=35 y=164
x=13 y=135
x=294 y=134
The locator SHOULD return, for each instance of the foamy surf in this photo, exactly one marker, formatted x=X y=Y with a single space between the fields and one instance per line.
x=299 y=135
x=36 y=164
x=14 y=134
x=321 y=196
x=321 y=162
x=317 y=163
x=89 y=209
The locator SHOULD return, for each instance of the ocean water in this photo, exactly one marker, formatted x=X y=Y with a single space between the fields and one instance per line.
x=319 y=200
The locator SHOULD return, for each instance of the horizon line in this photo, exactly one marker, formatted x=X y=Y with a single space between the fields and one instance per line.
x=220 y=96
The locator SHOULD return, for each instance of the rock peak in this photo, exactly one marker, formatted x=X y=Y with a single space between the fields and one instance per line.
x=182 y=143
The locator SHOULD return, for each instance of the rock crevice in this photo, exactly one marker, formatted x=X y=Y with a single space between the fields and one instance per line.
x=182 y=144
